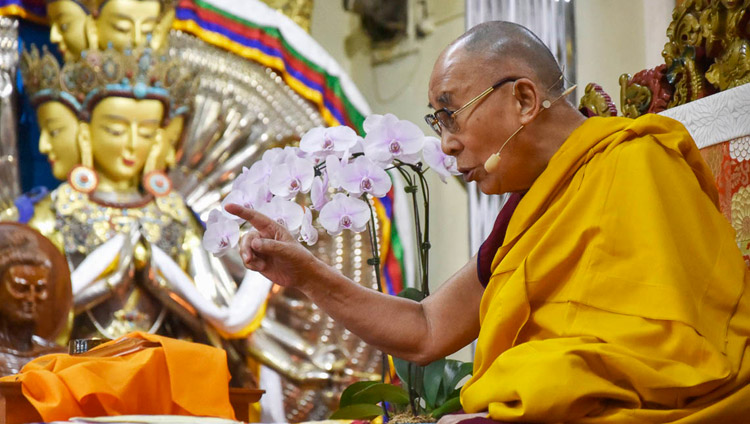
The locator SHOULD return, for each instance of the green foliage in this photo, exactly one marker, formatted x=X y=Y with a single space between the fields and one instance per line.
x=372 y=393
x=451 y=405
x=360 y=411
x=348 y=393
x=427 y=390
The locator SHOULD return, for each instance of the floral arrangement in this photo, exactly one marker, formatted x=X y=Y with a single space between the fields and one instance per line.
x=339 y=170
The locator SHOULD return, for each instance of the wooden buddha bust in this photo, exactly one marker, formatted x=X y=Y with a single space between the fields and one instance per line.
x=35 y=296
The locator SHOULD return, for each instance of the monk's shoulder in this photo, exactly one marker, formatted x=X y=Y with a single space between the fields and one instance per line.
x=643 y=150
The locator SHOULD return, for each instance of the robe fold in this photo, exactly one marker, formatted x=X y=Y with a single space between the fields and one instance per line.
x=618 y=294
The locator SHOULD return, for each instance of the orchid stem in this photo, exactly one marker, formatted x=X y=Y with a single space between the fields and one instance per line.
x=424 y=247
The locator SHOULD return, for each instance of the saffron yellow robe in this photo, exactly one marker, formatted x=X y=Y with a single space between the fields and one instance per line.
x=619 y=294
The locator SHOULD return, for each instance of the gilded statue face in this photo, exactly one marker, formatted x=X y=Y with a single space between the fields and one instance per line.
x=122 y=133
x=59 y=127
x=127 y=23
x=67 y=20
x=22 y=288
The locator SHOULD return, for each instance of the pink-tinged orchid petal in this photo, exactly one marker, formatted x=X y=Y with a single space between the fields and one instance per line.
x=363 y=176
x=259 y=173
x=254 y=182
x=237 y=197
x=374 y=121
x=292 y=177
x=241 y=179
x=285 y=212
x=275 y=156
x=294 y=152
x=247 y=196
x=358 y=147
x=221 y=234
x=312 y=139
x=334 y=167
x=308 y=233
x=437 y=160
x=344 y=213
x=321 y=142
x=393 y=139
x=319 y=191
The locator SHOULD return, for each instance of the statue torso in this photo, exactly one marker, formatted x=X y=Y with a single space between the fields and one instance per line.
x=80 y=225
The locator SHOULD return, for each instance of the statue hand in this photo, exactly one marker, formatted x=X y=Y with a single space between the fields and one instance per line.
x=271 y=250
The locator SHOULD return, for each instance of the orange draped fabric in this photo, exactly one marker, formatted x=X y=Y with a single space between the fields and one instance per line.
x=619 y=294
x=177 y=378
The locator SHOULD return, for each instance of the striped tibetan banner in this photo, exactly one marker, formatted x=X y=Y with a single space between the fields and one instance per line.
x=268 y=46
x=262 y=43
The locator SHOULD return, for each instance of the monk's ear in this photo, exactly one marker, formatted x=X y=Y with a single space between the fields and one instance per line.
x=528 y=100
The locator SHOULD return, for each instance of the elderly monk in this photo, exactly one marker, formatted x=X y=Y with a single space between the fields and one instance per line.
x=615 y=291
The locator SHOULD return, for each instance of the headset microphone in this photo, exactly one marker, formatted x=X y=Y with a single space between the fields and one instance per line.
x=493 y=161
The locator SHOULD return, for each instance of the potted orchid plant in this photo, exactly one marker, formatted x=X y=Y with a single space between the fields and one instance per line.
x=340 y=172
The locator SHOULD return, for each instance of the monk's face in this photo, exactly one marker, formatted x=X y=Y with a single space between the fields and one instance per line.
x=457 y=78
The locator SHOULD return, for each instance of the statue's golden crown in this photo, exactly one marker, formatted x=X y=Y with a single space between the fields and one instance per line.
x=137 y=73
x=41 y=77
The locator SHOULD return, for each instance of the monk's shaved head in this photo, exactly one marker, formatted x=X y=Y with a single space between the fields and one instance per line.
x=505 y=44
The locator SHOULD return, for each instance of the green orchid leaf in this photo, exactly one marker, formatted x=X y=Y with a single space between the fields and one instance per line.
x=357 y=412
x=433 y=381
x=402 y=371
x=411 y=293
x=381 y=392
x=452 y=405
x=349 y=392
x=455 y=371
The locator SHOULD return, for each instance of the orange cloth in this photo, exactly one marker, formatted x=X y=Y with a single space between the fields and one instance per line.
x=178 y=378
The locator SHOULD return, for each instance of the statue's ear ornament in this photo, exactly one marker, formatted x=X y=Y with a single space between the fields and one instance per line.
x=157 y=183
x=83 y=179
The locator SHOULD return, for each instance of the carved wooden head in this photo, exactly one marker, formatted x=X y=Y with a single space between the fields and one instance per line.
x=34 y=281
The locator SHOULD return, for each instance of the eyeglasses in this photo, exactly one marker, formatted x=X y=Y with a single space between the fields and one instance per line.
x=446 y=118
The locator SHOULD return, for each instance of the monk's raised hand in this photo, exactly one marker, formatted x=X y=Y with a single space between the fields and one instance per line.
x=271 y=250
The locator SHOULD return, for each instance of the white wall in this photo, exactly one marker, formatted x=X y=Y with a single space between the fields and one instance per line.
x=400 y=87
x=614 y=37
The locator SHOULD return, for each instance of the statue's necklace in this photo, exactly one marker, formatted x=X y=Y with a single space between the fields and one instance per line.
x=120 y=200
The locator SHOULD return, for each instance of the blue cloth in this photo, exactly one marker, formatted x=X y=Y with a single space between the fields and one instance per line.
x=25 y=203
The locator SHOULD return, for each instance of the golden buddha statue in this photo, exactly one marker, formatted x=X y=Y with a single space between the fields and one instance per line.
x=58 y=126
x=68 y=19
x=135 y=250
x=132 y=243
x=78 y=25
x=56 y=111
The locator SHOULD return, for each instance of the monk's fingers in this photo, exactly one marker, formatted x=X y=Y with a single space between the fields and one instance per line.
x=246 y=250
x=277 y=249
x=256 y=250
x=265 y=225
